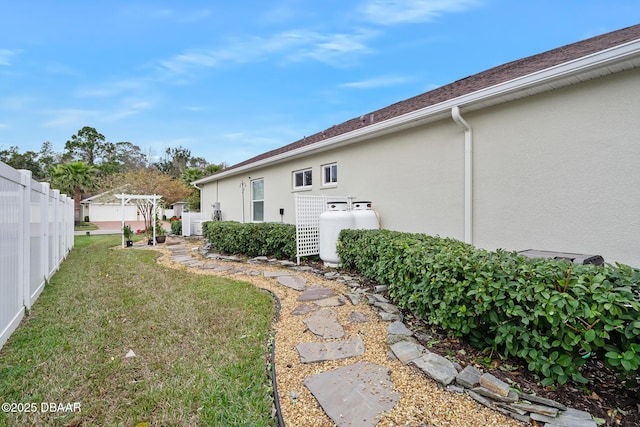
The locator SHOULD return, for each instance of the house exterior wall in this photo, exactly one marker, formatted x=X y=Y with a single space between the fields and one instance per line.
x=560 y=171
x=553 y=171
x=430 y=182
x=108 y=212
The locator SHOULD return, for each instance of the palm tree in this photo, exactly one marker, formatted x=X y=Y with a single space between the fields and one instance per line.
x=74 y=178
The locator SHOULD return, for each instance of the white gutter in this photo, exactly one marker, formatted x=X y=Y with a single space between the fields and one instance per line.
x=468 y=173
x=561 y=75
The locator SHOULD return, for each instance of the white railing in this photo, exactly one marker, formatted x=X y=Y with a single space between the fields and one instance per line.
x=192 y=223
x=36 y=234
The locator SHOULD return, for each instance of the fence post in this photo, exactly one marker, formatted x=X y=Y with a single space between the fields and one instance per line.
x=186 y=224
x=56 y=225
x=25 y=239
x=44 y=229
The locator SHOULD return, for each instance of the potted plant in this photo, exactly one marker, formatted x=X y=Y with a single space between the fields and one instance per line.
x=127 y=232
x=161 y=235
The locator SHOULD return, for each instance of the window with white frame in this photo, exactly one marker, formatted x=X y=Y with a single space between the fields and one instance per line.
x=302 y=179
x=257 y=200
x=330 y=175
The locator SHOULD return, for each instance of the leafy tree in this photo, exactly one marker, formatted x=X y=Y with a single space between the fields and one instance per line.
x=74 y=178
x=88 y=145
x=149 y=182
x=121 y=157
x=27 y=160
x=211 y=169
x=188 y=176
x=39 y=163
x=175 y=162
x=47 y=158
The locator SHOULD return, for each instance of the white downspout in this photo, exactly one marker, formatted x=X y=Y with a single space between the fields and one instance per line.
x=468 y=174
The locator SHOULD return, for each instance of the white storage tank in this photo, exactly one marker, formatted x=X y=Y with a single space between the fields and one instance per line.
x=336 y=218
x=364 y=217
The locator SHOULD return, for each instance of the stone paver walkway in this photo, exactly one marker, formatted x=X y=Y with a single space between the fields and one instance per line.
x=361 y=393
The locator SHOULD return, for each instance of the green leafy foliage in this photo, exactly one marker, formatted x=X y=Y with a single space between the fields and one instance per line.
x=253 y=239
x=176 y=227
x=550 y=314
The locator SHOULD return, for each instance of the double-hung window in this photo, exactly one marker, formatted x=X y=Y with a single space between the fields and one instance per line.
x=302 y=179
x=257 y=200
x=330 y=175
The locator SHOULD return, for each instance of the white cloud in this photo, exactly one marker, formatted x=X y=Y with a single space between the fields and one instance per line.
x=333 y=49
x=6 y=55
x=111 y=88
x=17 y=103
x=374 y=82
x=129 y=107
x=69 y=116
x=389 y=12
x=295 y=46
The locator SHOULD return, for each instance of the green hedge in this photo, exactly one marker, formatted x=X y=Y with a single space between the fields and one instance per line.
x=176 y=227
x=253 y=239
x=551 y=314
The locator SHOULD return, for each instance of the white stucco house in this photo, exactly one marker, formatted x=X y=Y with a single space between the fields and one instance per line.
x=107 y=207
x=540 y=153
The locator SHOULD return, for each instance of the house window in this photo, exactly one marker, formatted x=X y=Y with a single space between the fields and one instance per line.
x=302 y=179
x=257 y=200
x=330 y=175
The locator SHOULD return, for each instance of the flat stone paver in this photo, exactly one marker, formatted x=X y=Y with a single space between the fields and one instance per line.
x=277 y=273
x=330 y=302
x=407 y=351
x=398 y=328
x=355 y=395
x=324 y=324
x=358 y=317
x=334 y=350
x=316 y=293
x=222 y=268
x=209 y=266
x=294 y=282
x=304 y=309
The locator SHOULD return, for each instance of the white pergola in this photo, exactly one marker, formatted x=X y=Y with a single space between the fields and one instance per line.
x=126 y=198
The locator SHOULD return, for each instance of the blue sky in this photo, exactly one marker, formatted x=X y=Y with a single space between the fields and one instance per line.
x=232 y=79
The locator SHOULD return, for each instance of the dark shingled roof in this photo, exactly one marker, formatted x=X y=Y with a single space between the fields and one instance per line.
x=485 y=79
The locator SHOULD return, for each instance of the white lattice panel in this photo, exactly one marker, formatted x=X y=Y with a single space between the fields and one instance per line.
x=308 y=211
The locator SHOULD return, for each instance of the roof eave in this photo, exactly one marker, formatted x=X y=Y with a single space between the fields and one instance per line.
x=564 y=74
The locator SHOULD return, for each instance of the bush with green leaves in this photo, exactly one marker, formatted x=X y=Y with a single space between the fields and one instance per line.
x=253 y=239
x=176 y=227
x=549 y=313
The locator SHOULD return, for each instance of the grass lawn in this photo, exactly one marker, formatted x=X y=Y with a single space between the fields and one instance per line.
x=200 y=343
x=85 y=226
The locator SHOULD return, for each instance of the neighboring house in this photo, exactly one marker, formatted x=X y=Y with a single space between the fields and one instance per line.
x=540 y=153
x=107 y=207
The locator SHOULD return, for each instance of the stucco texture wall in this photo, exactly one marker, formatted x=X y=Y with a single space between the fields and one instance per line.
x=561 y=171
x=555 y=171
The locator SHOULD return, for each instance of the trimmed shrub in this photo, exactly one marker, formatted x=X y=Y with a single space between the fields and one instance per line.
x=253 y=239
x=176 y=227
x=550 y=314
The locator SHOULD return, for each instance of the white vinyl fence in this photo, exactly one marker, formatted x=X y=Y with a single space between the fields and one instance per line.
x=36 y=234
x=192 y=223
